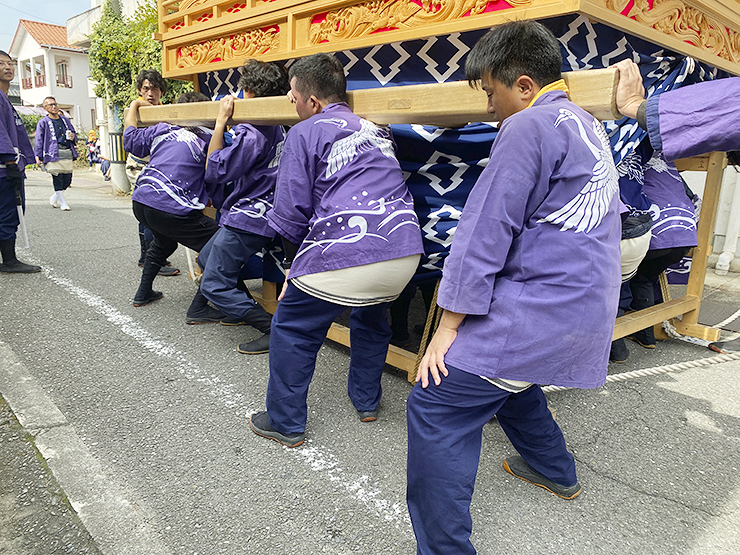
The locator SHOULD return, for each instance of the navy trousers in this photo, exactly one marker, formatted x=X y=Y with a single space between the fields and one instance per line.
x=445 y=429
x=61 y=181
x=299 y=327
x=9 y=221
x=222 y=260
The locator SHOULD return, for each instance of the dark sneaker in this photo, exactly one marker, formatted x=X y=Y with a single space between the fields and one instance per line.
x=619 y=351
x=517 y=466
x=368 y=415
x=233 y=321
x=147 y=299
x=168 y=271
x=18 y=267
x=644 y=338
x=257 y=347
x=206 y=315
x=260 y=424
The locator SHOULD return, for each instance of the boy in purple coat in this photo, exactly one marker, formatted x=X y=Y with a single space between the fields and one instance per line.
x=351 y=237
x=529 y=291
x=251 y=163
x=170 y=191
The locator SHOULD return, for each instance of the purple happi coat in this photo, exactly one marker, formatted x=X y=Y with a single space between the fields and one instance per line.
x=696 y=119
x=14 y=143
x=251 y=162
x=535 y=262
x=340 y=194
x=46 y=147
x=173 y=181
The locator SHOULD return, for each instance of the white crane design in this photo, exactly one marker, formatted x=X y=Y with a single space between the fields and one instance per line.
x=590 y=205
x=368 y=137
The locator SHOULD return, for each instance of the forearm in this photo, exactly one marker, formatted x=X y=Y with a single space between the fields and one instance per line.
x=132 y=116
x=451 y=320
x=217 y=139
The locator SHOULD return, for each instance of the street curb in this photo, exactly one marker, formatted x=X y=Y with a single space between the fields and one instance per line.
x=117 y=525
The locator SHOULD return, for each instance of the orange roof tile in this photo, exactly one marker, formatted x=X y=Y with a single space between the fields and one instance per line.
x=47 y=34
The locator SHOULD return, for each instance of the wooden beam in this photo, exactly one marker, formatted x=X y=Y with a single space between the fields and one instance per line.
x=444 y=104
x=641 y=319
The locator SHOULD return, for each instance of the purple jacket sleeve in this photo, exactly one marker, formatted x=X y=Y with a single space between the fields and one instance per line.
x=139 y=141
x=7 y=151
x=696 y=119
x=232 y=162
x=42 y=129
x=293 y=207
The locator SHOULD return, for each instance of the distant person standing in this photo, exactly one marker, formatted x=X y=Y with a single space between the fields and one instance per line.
x=55 y=149
x=151 y=86
x=15 y=154
x=93 y=152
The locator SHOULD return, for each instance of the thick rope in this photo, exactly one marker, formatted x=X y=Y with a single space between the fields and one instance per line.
x=701 y=363
x=432 y=323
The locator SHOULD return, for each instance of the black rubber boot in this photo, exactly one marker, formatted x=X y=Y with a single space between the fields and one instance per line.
x=200 y=312
x=643 y=296
x=145 y=294
x=166 y=270
x=11 y=265
x=261 y=320
x=144 y=246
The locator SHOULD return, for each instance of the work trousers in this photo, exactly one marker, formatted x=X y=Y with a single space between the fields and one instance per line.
x=61 y=181
x=222 y=260
x=9 y=221
x=193 y=231
x=299 y=327
x=445 y=430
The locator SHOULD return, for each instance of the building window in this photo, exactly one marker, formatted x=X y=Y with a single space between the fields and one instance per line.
x=63 y=77
x=39 y=77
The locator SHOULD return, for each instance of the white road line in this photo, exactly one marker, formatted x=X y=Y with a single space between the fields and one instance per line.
x=319 y=459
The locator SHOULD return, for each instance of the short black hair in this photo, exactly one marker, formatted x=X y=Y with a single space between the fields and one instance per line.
x=263 y=78
x=320 y=75
x=192 y=96
x=514 y=49
x=4 y=53
x=154 y=77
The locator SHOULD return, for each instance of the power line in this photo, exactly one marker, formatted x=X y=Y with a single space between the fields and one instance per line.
x=36 y=17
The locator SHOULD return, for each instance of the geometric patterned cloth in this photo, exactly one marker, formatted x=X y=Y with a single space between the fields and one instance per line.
x=440 y=164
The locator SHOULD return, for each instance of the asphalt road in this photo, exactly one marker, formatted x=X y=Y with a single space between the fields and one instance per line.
x=142 y=421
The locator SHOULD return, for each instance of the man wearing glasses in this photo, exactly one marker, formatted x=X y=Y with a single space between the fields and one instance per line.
x=15 y=154
x=55 y=148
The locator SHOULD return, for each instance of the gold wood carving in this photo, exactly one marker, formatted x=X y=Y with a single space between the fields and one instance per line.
x=677 y=19
x=235 y=47
x=363 y=19
x=185 y=4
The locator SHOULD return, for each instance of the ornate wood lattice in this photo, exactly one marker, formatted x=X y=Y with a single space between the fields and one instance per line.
x=202 y=35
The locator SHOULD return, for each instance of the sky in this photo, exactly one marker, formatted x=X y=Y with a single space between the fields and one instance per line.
x=45 y=11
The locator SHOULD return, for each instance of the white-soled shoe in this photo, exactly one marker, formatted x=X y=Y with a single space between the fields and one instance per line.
x=54 y=200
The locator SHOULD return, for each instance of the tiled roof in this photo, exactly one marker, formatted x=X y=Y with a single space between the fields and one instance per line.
x=47 y=34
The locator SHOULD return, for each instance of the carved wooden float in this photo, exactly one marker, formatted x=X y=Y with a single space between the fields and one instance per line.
x=205 y=35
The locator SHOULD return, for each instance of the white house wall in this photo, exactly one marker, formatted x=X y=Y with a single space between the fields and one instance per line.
x=76 y=100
